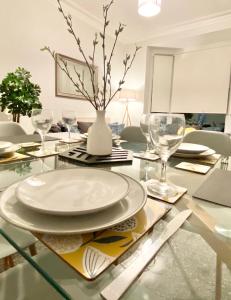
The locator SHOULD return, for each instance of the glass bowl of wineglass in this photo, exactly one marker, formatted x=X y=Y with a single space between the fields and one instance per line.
x=166 y=133
x=69 y=119
x=42 y=120
x=144 y=126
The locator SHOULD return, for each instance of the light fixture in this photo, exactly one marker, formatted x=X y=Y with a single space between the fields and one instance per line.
x=149 y=8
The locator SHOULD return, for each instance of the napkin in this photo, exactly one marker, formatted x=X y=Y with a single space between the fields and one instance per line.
x=216 y=188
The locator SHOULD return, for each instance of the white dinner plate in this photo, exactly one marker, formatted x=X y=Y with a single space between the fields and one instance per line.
x=72 y=191
x=9 y=150
x=4 y=145
x=191 y=148
x=195 y=155
x=19 y=215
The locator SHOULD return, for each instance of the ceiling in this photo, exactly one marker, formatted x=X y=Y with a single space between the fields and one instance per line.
x=174 y=14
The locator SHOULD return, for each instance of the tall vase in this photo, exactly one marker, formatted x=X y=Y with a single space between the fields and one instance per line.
x=99 y=140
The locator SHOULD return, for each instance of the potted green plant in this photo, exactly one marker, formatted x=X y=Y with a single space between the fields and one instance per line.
x=18 y=94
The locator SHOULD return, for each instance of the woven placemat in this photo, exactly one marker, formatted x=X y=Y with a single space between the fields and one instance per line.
x=91 y=254
x=40 y=154
x=13 y=158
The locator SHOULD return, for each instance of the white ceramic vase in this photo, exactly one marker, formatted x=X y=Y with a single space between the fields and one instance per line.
x=99 y=140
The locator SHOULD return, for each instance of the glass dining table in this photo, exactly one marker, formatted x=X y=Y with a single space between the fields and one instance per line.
x=194 y=264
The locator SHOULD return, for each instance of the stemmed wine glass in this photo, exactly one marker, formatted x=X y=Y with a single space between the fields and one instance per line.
x=166 y=132
x=42 y=120
x=69 y=119
x=144 y=126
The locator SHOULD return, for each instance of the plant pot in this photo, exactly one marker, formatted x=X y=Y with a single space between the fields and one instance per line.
x=99 y=140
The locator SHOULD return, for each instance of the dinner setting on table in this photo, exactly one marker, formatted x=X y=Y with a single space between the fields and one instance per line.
x=98 y=222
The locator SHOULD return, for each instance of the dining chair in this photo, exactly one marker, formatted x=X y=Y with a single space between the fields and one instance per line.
x=11 y=129
x=133 y=134
x=23 y=238
x=218 y=141
x=24 y=282
x=4 y=117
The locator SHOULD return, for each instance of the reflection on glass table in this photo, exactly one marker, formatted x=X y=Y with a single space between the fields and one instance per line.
x=26 y=280
x=188 y=267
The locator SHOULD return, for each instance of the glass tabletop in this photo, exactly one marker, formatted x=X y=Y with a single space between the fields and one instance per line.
x=194 y=264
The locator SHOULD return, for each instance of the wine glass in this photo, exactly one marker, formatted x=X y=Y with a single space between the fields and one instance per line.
x=69 y=119
x=166 y=132
x=144 y=126
x=42 y=120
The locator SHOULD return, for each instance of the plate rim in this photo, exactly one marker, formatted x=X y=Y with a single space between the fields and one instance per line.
x=206 y=148
x=194 y=155
x=102 y=227
x=4 y=148
x=14 y=148
x=72 y=213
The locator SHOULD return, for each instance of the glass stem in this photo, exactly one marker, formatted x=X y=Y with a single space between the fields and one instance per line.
x=163 y=171
x=69 y=132
x=147 y=147
x=42 y=141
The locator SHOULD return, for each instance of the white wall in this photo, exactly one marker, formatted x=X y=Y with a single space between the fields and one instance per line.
x=28 y=25
x=201 y=80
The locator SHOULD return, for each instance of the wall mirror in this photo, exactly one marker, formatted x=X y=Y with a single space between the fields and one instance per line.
x=63 y=85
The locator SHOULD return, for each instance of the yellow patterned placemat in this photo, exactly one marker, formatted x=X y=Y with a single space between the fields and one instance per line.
x=91 y=254
x=16 y=156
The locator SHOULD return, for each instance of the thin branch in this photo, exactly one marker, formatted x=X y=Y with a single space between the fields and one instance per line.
x=95 y=42
x=117 y=33
x=103 y=36
x=79 y=78
x=101 y=97
x=68 y=20
x=126 y=69
x=66 y=71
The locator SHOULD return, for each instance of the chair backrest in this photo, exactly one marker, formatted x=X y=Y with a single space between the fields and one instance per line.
x=4 y=117
x=218 y=141
x=133 y=134
x=10 y=129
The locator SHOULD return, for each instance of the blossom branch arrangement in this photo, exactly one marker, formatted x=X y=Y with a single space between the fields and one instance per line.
x=101 y=96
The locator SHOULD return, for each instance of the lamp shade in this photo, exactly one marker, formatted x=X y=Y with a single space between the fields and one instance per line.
x=128 y=95
x=149 y=8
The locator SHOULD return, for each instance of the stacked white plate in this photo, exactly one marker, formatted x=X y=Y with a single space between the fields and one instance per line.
x=7 y=148
x=72 y=201
x=189 y=150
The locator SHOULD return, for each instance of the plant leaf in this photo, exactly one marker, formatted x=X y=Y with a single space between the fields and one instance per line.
x=110 y=239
